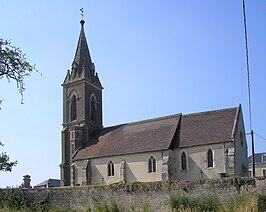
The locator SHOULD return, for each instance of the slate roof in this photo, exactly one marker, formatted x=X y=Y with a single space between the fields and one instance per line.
x=258 y=158
x=162 y=133
x=50 y=182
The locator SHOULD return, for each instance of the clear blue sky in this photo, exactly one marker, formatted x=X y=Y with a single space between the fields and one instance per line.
x=153 y=57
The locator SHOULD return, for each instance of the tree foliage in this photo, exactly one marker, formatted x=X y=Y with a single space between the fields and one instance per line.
x=14 y=65
x=5 y=164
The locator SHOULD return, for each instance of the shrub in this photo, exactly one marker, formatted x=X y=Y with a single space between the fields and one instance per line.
x=206 y=203
x=17 y=199
x=14 y=198
x=242 y=202
x=236 y=202
x=114 y=207
x=261 y=203
x=179 y=202
x=102 y=207
x=132 y=208
x=146 y=208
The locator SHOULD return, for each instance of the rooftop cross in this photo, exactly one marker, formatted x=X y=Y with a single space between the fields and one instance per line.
x=82 y=11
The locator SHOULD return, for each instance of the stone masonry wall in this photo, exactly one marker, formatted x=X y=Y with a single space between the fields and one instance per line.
x=155 y=195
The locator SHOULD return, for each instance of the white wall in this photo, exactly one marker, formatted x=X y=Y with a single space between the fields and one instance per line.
x=136 y=168
x=241 y=154
x=258 y=170
x=228 y=158
x=197 y=162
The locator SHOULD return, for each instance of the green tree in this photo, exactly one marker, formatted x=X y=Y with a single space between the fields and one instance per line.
x=15 y=67
x=5 y=163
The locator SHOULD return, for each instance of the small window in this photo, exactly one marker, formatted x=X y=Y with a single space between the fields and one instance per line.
x=73 y=108
x=93 y=108
x=110 y=169
x=210 y=158
x=264 y=172
x=263 y=158
x=152 y=164
x=73 y=147
x=241 y=139
x=250 y=173
x=183 y=161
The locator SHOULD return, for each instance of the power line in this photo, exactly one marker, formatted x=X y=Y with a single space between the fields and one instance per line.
x=247 y=63
x=260 y=136
x=249 y=93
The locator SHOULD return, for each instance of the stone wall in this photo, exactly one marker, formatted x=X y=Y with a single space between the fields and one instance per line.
x=155 y=195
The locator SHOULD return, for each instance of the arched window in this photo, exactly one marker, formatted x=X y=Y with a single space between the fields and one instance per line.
x=152 y=164
x=183 y=161
x=93 y=108
x=73 y=108
x=209 y=158
x=110 y=169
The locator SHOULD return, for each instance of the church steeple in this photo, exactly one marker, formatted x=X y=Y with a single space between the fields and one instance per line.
x=82 y=106
x=82 y=56
x=82 y=66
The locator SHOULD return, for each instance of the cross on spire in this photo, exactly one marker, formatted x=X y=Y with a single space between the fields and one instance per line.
x=82 y=11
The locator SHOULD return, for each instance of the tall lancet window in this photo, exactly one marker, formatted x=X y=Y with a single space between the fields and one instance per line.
x=210 y=158
x=151 y=164
x=110 y=169
x=93 y=108
x=183 y=161
x=73 y=108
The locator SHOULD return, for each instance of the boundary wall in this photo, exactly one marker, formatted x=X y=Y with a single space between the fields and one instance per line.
x=154 y=195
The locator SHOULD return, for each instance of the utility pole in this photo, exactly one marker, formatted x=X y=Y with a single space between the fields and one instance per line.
x=253 y=154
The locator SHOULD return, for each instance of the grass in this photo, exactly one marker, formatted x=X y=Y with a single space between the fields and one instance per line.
x=242 y=202
x=203 y=203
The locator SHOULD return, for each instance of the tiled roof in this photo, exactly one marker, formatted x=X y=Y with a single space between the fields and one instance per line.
x=207 y=127
x=258 y=158
x=143 y=136
x=162 y=133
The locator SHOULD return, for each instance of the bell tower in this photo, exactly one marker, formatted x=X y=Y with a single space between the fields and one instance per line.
x=82 y=105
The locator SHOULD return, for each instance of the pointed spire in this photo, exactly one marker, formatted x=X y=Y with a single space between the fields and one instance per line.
x=82 y=66
x=82 y=57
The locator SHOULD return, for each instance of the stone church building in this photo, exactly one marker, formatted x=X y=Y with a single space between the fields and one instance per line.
x=201 y=145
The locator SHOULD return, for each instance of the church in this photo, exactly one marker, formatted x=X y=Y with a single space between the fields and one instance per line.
x=195 y=146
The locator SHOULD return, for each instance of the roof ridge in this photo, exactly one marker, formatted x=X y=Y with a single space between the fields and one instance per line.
x=260 y=153
x=143 y=121
x=209 y=111
x=154 y=119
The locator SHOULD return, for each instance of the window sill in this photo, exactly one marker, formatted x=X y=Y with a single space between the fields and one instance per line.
x=152 y=172
x=210 y=168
